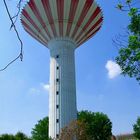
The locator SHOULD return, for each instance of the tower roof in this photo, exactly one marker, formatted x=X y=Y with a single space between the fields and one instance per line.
x=78 y=20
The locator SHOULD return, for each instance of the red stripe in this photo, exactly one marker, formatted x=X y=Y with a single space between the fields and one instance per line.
x=60 y=10
x=92 y=28
x=37 y=14
x=29 y=28
x=48 y=12
x=93 y=16
x=32 y=22
x=35 y=37
x=84 y=12
x=24 y=12
x=73 y=7
x=88 y=37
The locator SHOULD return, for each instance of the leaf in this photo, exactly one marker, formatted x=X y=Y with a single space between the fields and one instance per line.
x=120 y=6
x=133 y=11
x=128 y=1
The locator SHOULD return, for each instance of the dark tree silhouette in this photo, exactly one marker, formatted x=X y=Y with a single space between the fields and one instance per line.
x=136 y=128
x=40 y=131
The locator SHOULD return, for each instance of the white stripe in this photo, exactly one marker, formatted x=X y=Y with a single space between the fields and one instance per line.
x=53 y=6
x=31 y=14
x=37 y=38
x=91 y=25
x=90 y=33
x=43 y=15
x=77 y=15
x=86 y=19
x=30 y=25
x=67 y=4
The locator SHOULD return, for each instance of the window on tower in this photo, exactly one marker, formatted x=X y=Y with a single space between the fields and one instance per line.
x=57 y=68
x=57 y=56
x=57 y=120
x=57 y=92
x=57 y=80
x=57 y=106
x=57 y=135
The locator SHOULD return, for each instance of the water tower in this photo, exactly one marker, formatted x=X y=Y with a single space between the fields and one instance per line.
x=62 y=26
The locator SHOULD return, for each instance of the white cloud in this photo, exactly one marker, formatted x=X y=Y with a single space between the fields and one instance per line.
x=113 y=69
x=40 y=88
x=45 y=86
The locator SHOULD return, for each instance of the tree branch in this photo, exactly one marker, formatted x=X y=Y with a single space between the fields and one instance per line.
x=20 y=56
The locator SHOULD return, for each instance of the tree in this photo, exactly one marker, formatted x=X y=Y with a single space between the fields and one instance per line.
x=74 y=129
x=7 y=137
x=89 y=126
x=98 y=125
x=40 y=131
x=129 y=48
x=18 y=136
x=21 y=136
x=136 y=128
x=113 y=137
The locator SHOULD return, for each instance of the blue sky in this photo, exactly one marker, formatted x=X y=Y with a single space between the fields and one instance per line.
x=24 y=85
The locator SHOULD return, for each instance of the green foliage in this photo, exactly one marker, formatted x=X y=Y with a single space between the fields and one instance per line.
x=136 y=128
x=21 y=136
x=98 y=125
x=120 y=6
x=95 y=126
x=132 y=12
x=7 y=137
x=134 y=25
x=128 y=1
x=129 y=56
x=18 y=136
x=40 y=131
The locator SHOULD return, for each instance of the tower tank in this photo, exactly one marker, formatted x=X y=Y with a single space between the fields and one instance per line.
x=61 y=26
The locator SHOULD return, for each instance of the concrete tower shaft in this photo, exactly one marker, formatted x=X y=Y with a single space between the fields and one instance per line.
x=62 y=98
x=62 y=26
